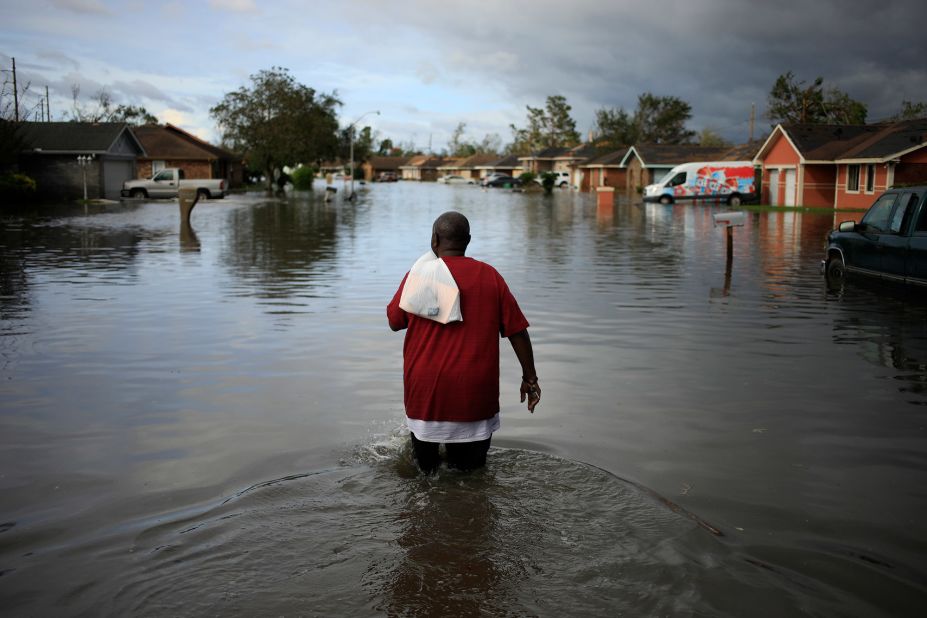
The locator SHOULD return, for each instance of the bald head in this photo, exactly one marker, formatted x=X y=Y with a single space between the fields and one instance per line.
x=450 y=234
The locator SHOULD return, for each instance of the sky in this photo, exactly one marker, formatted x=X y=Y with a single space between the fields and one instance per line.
x=427 y=66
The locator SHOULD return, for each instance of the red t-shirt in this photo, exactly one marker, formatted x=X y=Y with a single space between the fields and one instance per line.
x=451 y=371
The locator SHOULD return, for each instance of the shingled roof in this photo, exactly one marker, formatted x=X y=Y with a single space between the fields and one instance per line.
x=171 y=142
x=871 y=142
x=675 y=154
x=74 y=137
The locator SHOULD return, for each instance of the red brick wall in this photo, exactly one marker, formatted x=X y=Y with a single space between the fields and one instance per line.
x=818 y=189
x=191 y=169
x=857 y=199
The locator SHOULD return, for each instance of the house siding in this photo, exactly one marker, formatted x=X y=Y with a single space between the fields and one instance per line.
x=818 y=186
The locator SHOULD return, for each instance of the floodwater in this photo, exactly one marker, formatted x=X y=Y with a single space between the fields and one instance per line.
x=208 y=419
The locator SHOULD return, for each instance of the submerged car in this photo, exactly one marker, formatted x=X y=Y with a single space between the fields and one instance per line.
x=504 y=181
x=456 y=180
x=889 y=243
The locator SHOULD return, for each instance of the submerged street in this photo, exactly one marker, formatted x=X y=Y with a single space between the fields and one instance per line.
x=208 y=419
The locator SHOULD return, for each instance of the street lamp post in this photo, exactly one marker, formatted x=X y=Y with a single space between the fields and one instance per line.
x=351 y=138
x=84 y=162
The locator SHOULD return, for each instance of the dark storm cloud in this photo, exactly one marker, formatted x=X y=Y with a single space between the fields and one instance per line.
x=718 y=55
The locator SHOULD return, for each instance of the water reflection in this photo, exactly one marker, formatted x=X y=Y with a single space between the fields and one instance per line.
x=283 y=251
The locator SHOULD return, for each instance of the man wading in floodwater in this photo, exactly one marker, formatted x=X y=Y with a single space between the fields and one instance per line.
x=451 y=371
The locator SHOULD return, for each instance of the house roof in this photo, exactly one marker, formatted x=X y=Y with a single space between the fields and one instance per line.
x=504 y=162
x=423 y=162
x=383 y=162
x=583 y=151
x=170 y=142
x=609 y=159
x=547 y=153
x=75 y=137
x=470 y=162
x=892 y=140
x=832 y=143
x=662 y=155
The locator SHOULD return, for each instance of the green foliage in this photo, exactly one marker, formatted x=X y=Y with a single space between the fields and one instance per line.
x=547 y=181
x=791 y=101
x=16 y=187
x=363 y=144
x=912 y=111
x=657 y=120
x=302 y=177
x=710 y=137
x=11 y=142
x=386 y=148
x=548 y=127
x=277 y=122
x=527 y=178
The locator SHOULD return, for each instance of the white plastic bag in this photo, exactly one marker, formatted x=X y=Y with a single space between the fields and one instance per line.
x=430 y=291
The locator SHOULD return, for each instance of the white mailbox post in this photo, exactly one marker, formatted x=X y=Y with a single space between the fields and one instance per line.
x=730 y=220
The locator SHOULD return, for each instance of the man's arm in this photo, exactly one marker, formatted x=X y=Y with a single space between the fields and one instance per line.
x=521 y=343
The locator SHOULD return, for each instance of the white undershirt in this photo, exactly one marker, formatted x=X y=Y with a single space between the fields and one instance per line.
x=453 y=431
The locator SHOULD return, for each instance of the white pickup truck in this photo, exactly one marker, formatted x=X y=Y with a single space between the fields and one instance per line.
x=167 y=182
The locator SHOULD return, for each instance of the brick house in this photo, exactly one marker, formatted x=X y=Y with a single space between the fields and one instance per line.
x=510 y=165
x=468 y=167
x=605 y=171
x=376 y=165
x=171 y=146
x=841 y=166
x=421 y=167
x=50 y=158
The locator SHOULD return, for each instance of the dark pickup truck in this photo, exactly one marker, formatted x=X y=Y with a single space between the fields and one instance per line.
x=889 y=243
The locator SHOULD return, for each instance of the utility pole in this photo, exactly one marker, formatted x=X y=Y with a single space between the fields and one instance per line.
x=752 y=119
x=47 y=106
x=15 y=94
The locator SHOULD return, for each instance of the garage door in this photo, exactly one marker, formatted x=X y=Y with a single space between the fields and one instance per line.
x=116 y=172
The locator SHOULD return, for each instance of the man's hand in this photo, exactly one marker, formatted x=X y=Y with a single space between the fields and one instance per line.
x=532 y=391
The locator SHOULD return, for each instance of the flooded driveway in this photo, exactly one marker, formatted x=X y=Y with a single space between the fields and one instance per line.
x=208 y=419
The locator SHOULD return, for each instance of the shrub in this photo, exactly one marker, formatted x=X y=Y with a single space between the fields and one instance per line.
x=547 y=181
x=527 y=178
x=302 y=177
x=16 y=186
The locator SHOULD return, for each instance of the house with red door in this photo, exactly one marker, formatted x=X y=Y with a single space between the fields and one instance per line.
x=841 y=166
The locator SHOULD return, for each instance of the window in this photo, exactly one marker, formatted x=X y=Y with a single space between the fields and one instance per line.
x=878 y=217
x=905 y=205
x=852 y=178
x=870 y=178
x=922 y=220
x=677 y=180
x=164 y=176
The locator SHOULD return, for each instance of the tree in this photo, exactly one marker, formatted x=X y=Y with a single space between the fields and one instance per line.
x=657 y=120
x=101 y=110
x=548 y=127
x=363 y=144
x=386 y=147
x=710 y=137
x=793 y=102
x=277 y=122
x=911 y=111
x=457 y=146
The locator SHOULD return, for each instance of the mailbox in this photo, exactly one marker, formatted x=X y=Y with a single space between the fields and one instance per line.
x=730 y=219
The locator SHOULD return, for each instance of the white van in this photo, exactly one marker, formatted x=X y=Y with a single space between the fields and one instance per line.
x=731 y=181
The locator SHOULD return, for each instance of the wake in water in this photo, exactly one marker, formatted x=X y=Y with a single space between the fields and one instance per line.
x=530 y=534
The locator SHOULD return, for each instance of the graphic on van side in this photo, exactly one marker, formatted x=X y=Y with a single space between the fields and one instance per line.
x=713 y=181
